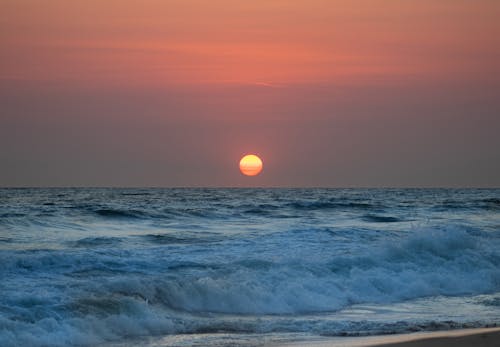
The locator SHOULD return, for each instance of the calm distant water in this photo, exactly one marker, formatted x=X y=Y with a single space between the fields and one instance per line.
x=231 y=267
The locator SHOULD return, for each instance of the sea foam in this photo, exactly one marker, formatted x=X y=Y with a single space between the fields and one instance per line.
x=83 y=278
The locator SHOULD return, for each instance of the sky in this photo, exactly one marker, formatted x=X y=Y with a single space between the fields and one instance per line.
x=329 y=93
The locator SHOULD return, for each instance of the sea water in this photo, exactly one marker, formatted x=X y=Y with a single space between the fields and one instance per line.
x=243 y=267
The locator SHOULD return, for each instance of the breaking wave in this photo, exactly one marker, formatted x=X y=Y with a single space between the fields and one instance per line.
x=92 y=267
x=122 y=299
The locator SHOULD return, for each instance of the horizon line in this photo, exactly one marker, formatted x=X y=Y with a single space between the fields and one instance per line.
x=248 y=187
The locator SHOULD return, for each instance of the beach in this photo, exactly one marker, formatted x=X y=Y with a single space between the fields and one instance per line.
x=483 y=337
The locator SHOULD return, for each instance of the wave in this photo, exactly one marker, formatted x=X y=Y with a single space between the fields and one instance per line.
x=491 y=204
x=465 y=204
x=12 y=215
x=493 y=201
x=492 y=301
x=380 y=219
x=426 y=263
x=95 y=241
x=114 y=265
x=144 y=193
x=185 y=238
x=320 y=205
x=116 y=213
x=119 y=298
x=111 y=320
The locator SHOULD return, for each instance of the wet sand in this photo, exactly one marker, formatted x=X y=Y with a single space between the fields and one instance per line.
x=487 y=337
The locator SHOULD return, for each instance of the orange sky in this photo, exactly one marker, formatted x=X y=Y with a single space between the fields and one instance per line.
x=268 y=43
x=174 y=92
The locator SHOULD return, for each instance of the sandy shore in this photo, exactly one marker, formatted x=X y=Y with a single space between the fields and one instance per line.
x=488 y=337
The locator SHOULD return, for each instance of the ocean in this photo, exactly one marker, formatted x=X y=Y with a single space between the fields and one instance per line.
x=243 y=267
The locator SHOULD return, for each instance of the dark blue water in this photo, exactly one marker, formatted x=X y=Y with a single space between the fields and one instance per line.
x=181 y=267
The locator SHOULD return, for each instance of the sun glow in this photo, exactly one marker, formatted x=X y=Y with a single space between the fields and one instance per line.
x=250 y=165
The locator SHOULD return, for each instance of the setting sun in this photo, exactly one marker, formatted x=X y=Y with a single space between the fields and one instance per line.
x=250 y=165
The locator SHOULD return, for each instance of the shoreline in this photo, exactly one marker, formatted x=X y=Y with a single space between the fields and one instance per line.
x=476 y=337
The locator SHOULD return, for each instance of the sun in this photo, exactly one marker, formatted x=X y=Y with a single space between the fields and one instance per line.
x=250 y=165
